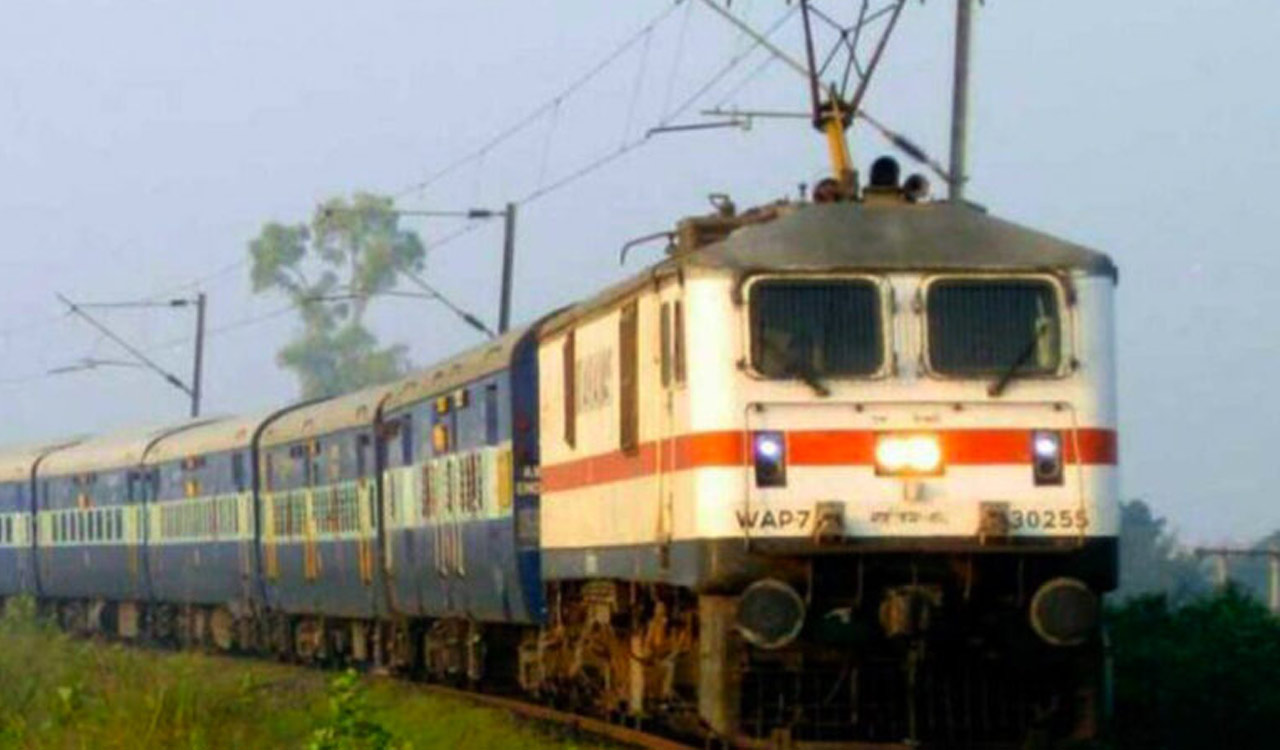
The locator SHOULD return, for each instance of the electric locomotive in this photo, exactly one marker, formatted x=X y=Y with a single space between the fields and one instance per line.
x=863 y=454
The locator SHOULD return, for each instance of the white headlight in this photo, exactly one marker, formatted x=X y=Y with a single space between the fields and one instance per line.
x=908 y=454
x=1046 y=446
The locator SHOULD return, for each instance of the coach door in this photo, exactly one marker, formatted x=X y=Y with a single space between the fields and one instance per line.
x=140 y=490
x=365 y=507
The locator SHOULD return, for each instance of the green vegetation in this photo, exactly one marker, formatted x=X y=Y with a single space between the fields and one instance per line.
x=1200 y=675
x=1194 y=667
x=330 y=269
x=61 y=692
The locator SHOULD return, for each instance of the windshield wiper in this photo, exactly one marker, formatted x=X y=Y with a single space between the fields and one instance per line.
x=1009 y=372
x=794 y=363
x=808 y=376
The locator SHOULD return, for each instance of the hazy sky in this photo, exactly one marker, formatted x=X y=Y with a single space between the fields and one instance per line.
x=142 y=144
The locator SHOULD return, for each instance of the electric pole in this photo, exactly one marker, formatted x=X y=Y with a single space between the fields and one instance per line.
x=197 y=376
x=508 y=263
x=960 y=103
x=508 y=215
x=140 y=359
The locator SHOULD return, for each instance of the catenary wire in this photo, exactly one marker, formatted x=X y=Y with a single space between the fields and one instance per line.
x=534 y=195
x=533 y=116
x=610 y=157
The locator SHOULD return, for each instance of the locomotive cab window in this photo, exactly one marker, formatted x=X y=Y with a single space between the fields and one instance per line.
x=815 y=328
x=988 y=326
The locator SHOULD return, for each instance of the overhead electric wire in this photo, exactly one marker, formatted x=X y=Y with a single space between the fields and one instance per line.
x=553 y=105
x=215 y=274
x=679 y=56
x=552 y=122
x=134 y=351
x=612 y=156
x=746 y=80
x=533 y=116
x=637 y=86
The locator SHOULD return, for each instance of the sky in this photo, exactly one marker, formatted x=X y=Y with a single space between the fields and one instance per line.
x=143 y=144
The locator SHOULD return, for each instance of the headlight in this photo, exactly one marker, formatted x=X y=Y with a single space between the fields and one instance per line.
x=769 y=451
x=908 y=454
x=1046 y=457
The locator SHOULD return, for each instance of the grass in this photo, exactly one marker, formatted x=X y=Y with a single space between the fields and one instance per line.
x=61 y=692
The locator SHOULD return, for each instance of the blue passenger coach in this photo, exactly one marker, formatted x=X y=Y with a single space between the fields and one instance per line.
x=318 y=515
x=449 y=488
x=200 y=527
x=17 y=493
x=91 y=524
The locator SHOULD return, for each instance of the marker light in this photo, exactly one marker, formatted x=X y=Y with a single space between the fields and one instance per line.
x=1046 y=457
x=769 y=450
x=908 y=454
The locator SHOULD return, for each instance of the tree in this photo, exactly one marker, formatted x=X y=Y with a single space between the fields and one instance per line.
x=330 y=269
x=1151 y=560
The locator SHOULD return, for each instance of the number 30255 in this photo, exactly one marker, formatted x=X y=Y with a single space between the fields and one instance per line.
x=1048 y=519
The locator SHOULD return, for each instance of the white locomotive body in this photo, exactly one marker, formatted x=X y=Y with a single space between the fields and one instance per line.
x=853 y=423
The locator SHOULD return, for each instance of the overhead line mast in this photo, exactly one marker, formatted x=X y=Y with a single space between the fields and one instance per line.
x=960 y=103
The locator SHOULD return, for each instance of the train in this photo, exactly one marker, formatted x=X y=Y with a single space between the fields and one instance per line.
x=835 y=473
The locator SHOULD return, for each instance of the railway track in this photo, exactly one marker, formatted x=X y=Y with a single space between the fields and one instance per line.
x=632 y=737
x=618 y=733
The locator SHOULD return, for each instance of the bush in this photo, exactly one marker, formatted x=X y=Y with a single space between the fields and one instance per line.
x=1197 y=676
x=349 y=726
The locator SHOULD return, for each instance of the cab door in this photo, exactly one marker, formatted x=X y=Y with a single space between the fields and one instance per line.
x=670 y=377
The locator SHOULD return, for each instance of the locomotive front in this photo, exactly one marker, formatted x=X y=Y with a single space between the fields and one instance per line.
x=925 y=514
x=836 y=472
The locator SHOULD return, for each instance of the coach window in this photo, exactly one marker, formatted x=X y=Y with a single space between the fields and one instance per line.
x=238 y=475
x=268 y=471
x=363 y=441
x=315 y=463
x=813 y=328
x=406 y=440
x=491 y=414
x=334 y=463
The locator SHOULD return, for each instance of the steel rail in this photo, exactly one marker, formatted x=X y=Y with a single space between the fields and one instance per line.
x=575 y=722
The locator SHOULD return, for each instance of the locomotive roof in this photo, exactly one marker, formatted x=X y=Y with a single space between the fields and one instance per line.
x=894 y=236
x=111 y=451
x=16 y=461
x=211 y=437
x=331 y=415
x=452 y=373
